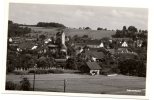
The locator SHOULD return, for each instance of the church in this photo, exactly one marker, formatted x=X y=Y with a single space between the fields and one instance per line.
x=59 y=45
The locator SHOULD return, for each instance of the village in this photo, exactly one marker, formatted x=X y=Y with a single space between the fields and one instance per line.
x=82 y=53
x=76 y=49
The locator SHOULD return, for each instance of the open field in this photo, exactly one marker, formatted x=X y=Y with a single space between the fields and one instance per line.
x=77 y=83
x=95 y=34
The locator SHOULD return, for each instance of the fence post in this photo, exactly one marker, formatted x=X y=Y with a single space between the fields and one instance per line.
x=64 y=85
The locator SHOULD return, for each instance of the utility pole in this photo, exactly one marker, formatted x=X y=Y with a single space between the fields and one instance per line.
x=64 y=85
x=34 y=77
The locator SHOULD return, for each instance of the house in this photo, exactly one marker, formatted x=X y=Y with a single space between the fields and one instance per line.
x=10 y=40
x=91 y=67
x=47 y=40
x=121 y=39
x=139 y=43
x=26 y=45
x=94 y=55
x=122 y=50
x=94 y=44
x=124 y=44
x=31 y=39
x=61 y=63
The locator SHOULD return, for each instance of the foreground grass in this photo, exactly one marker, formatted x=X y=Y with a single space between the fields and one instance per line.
x=78 y=83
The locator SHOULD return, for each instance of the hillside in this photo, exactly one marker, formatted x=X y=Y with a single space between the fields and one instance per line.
x=96 y=34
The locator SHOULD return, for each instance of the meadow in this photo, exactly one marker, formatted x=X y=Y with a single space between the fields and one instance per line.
x=82 y=83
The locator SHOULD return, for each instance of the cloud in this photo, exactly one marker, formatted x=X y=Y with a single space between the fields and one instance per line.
x=79 y=16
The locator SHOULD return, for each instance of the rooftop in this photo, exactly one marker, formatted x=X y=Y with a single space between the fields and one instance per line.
x=93 y=42
x=93 y=65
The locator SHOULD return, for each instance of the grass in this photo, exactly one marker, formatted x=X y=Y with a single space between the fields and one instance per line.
x=78 y=83
x=95 y=34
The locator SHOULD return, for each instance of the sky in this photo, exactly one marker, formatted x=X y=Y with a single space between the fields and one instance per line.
x=79 y=16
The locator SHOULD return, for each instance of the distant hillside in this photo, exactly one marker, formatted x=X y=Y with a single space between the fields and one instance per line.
x=96 y=34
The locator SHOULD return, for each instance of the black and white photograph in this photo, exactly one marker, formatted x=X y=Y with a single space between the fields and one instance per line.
x=77 y=49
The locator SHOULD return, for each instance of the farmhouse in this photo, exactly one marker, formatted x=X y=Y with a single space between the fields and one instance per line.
x=94 y=55
x=124 y=44
x=91 y=67
x=95 y=44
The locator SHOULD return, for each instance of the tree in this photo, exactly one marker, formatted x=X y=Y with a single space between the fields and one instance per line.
x=14 y=29
x=50 y=24
x=25 y=84
x=85 y=36
x=88 y=28
x=43 y=62
x=124 y=28
x=27 y=61
x=99 y=28
x=71 y=64
x=132 y=67
x=132 y=29
x=13 y=61
x=42 y=37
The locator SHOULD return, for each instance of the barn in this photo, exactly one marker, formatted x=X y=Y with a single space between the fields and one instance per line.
x=92 y=68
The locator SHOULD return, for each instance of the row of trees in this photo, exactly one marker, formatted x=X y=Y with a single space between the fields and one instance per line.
x=50 y=24
x=130 y=32
x=14 y=29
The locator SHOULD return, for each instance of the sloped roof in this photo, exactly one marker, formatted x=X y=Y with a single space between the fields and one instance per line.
x=26 y=45
x=60 y=60
x=93 y=42
x=93 y=65
x=121 y=39
x=124 y=50
x=52 y=46
x=95 y=54
x=112 y=51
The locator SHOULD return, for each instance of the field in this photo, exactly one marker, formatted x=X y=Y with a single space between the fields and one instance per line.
x=95 y=34
x=78 y=83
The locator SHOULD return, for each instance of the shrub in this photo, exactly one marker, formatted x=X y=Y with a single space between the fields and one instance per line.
x=31 y=71
x=10 y=85
x=25 y=84
x=56 y=71
x=44 y=71
x=51 y=71
x=41 y=71
x=20 y=72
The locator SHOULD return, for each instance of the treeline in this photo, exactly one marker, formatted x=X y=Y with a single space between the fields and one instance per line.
x=14 y=29
x=50 y=24
x=130 y=32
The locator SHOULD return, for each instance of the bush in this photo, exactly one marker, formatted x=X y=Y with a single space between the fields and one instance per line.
x=31 y=71
x=10 y=85
x=44 y=71
x=39 y=71
x=20 y=72
x=56 y=71
x=25 y=84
